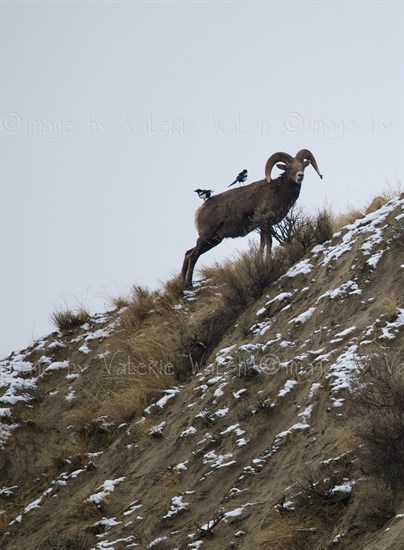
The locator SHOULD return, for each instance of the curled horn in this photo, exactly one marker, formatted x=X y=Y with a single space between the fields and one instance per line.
x=273 y=159
x=306 y=155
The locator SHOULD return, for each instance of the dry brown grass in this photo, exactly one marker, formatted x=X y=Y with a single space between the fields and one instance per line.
x=67 y=319
x=287 y=531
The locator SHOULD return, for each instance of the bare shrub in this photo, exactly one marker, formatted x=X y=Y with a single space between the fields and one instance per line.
x=325 y=491
x=300 y=231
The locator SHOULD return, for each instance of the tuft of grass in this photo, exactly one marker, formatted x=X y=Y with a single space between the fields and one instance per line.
x=67 y=319
x=119 y=302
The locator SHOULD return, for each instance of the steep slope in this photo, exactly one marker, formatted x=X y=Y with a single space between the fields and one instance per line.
x=222 y=460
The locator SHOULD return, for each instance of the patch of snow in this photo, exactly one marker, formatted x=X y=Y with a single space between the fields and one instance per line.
x=221 y=413
x=57 y=365
x=390 y=330
x=219 y=391
x=288 y=386
x=234 y=513
x=313 y=390
x=374 y=260
x=169 y=394
x=105 y=545
x=303 y=317
x=214 y=380
x=349 y=288
x=215 y=461
x=231 y=428
x=157 y=430
x=301 y=268
x=71 y=395
x=344 y=369
x=280 y=297
x=84 y=349
x=189 y=431
x=98 y=335
x=237 y=394
x=132 y=508
x=345 y=487
x=155 y=542
x=181 y=467
x=107 y=488
x=177 y=505
x=340 y=335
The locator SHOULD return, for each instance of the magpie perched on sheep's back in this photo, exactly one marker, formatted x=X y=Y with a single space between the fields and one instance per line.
x=241 y=178
x=204 y=193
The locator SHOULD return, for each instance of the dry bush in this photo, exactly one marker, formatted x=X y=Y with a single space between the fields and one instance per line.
x=319 y=493
x=317 y=506
x=378 y=409
x=374 y=504
x=299 y=232
x=67 y=319
x=287 y=531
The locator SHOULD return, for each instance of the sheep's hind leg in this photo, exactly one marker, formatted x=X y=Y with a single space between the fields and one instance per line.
x=202 y=246
x=186 y=263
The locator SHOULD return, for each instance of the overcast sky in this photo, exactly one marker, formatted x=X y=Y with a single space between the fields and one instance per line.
x=114 y=112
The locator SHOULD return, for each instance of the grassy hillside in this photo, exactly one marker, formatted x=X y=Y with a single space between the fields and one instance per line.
x=263 y=409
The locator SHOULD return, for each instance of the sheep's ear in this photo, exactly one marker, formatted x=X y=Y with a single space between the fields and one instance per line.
x=306 y=163
x=281 y=166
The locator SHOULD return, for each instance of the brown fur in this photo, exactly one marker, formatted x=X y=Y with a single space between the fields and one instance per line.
x=230 y=214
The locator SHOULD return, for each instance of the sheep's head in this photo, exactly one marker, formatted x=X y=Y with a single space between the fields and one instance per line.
x=293 y=167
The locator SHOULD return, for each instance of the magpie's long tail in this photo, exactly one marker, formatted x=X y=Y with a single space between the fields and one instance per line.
x=235 y=181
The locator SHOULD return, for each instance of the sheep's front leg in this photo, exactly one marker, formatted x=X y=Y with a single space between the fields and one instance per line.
x=266 y=244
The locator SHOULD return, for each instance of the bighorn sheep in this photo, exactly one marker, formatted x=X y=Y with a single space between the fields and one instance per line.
x=231 y=214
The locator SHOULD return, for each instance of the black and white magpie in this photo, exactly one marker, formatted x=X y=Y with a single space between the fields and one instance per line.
x=204 y=193
x=241 y=178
